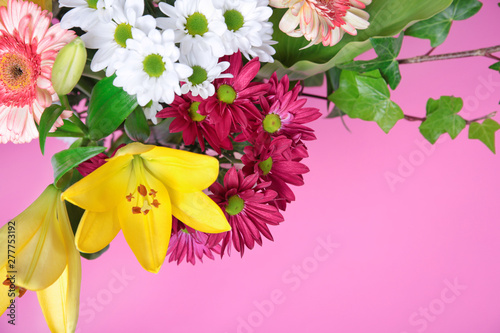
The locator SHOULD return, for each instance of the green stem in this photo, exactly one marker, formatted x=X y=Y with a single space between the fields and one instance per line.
x=484 y=52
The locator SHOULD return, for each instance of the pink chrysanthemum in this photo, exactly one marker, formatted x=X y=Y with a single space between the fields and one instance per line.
x=283 y=114
x=274 y=162
x=247 y=209
x=185 y=242
x=28 y=48
x=322 y=21
x=233 y=103
x=192 y=124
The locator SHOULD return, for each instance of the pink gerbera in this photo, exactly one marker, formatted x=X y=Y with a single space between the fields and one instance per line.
x=274 y=162
x=233 y=103
x=246 y=206
x=187 y=243
x=322 y=21
x=28 y=48
x=192 y=124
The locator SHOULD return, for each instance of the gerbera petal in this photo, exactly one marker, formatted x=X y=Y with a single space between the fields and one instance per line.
x=289 y=22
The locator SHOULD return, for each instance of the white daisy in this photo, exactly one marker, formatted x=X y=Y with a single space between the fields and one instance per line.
x=85 y=14
x=110 y=38
x=198 y=26
x=150 y=70
x=248 y=28
x=151 y=109
x=205 y=71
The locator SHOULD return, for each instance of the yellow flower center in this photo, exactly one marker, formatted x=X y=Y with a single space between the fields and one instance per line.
x=15 y=71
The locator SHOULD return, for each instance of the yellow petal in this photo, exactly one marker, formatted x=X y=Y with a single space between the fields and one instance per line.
x=101 y=190
x=198 y=211
x=147 y=231
x=181 y=170
x=60 y=302
x=134 y=148
x=40 y=256
x=6 y=296
x=96 y=230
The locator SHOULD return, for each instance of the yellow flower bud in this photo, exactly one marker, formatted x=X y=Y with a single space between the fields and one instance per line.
x=68 y=66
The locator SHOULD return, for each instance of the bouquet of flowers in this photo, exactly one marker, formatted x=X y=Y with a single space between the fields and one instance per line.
x=187 y=122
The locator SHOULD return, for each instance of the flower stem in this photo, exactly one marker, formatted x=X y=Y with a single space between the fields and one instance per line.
x=484 y=52
x=468 y=122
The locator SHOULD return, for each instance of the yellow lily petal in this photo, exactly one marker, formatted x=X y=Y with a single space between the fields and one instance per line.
x=96 y=230
x=146 y=220
x=181 y=170
x=198 y=211
x=61 y=301
x=5 y=294
x=98 y=191
x=40 y=255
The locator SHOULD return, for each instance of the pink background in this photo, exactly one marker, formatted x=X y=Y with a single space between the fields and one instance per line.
x=420 y=255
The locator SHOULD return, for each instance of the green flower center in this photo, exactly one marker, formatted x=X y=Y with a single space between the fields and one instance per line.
x=92 y=4
x=185 y=231
x=153 y=65
x=235 y=205
x=271 y=123
x=199 y=75
x=122 y=33
x=266 y=166
x=193 y=112
x=234 y=20
x=226 y=94
x=196 y=24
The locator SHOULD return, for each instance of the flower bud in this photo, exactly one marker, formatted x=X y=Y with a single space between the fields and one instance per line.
x=68 y=66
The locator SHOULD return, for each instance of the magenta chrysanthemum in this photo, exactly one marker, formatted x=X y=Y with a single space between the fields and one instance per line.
x=28 y=48
x=274 y=162
x=246 y=206
x=187 y=243
x=233 y=103
x=192 y=124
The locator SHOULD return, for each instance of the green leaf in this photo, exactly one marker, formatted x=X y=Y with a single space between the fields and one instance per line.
x=367 y=97
x=495 y=66
x=109 y=106
x=92 y=256
x=136 y=126
x=436 y=28
x=484 y=132
x=387 y=49
x=387 y=18
x=47 y=120
x=314 y=81
x=66 y=160
x=68 y=129
x=442 y=118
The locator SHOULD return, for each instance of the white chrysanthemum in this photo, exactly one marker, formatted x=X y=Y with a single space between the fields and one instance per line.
x=198 y=26
x=205 y=71
x=248 y=28
x=150 y=70
x=151 y=109
x=110 y=38
x=85 y=14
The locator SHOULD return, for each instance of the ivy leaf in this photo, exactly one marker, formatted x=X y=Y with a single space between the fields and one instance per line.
x=66 y=160
x=109 y=106
x=367 y=97
x=47 y=120
x=484 y=132
x=436 y=28
x=495 y=66
x=442 y=118
x=387 y=49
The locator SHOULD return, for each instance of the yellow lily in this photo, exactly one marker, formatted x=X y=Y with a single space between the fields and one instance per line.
x=37 y=253
x=138 y=190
